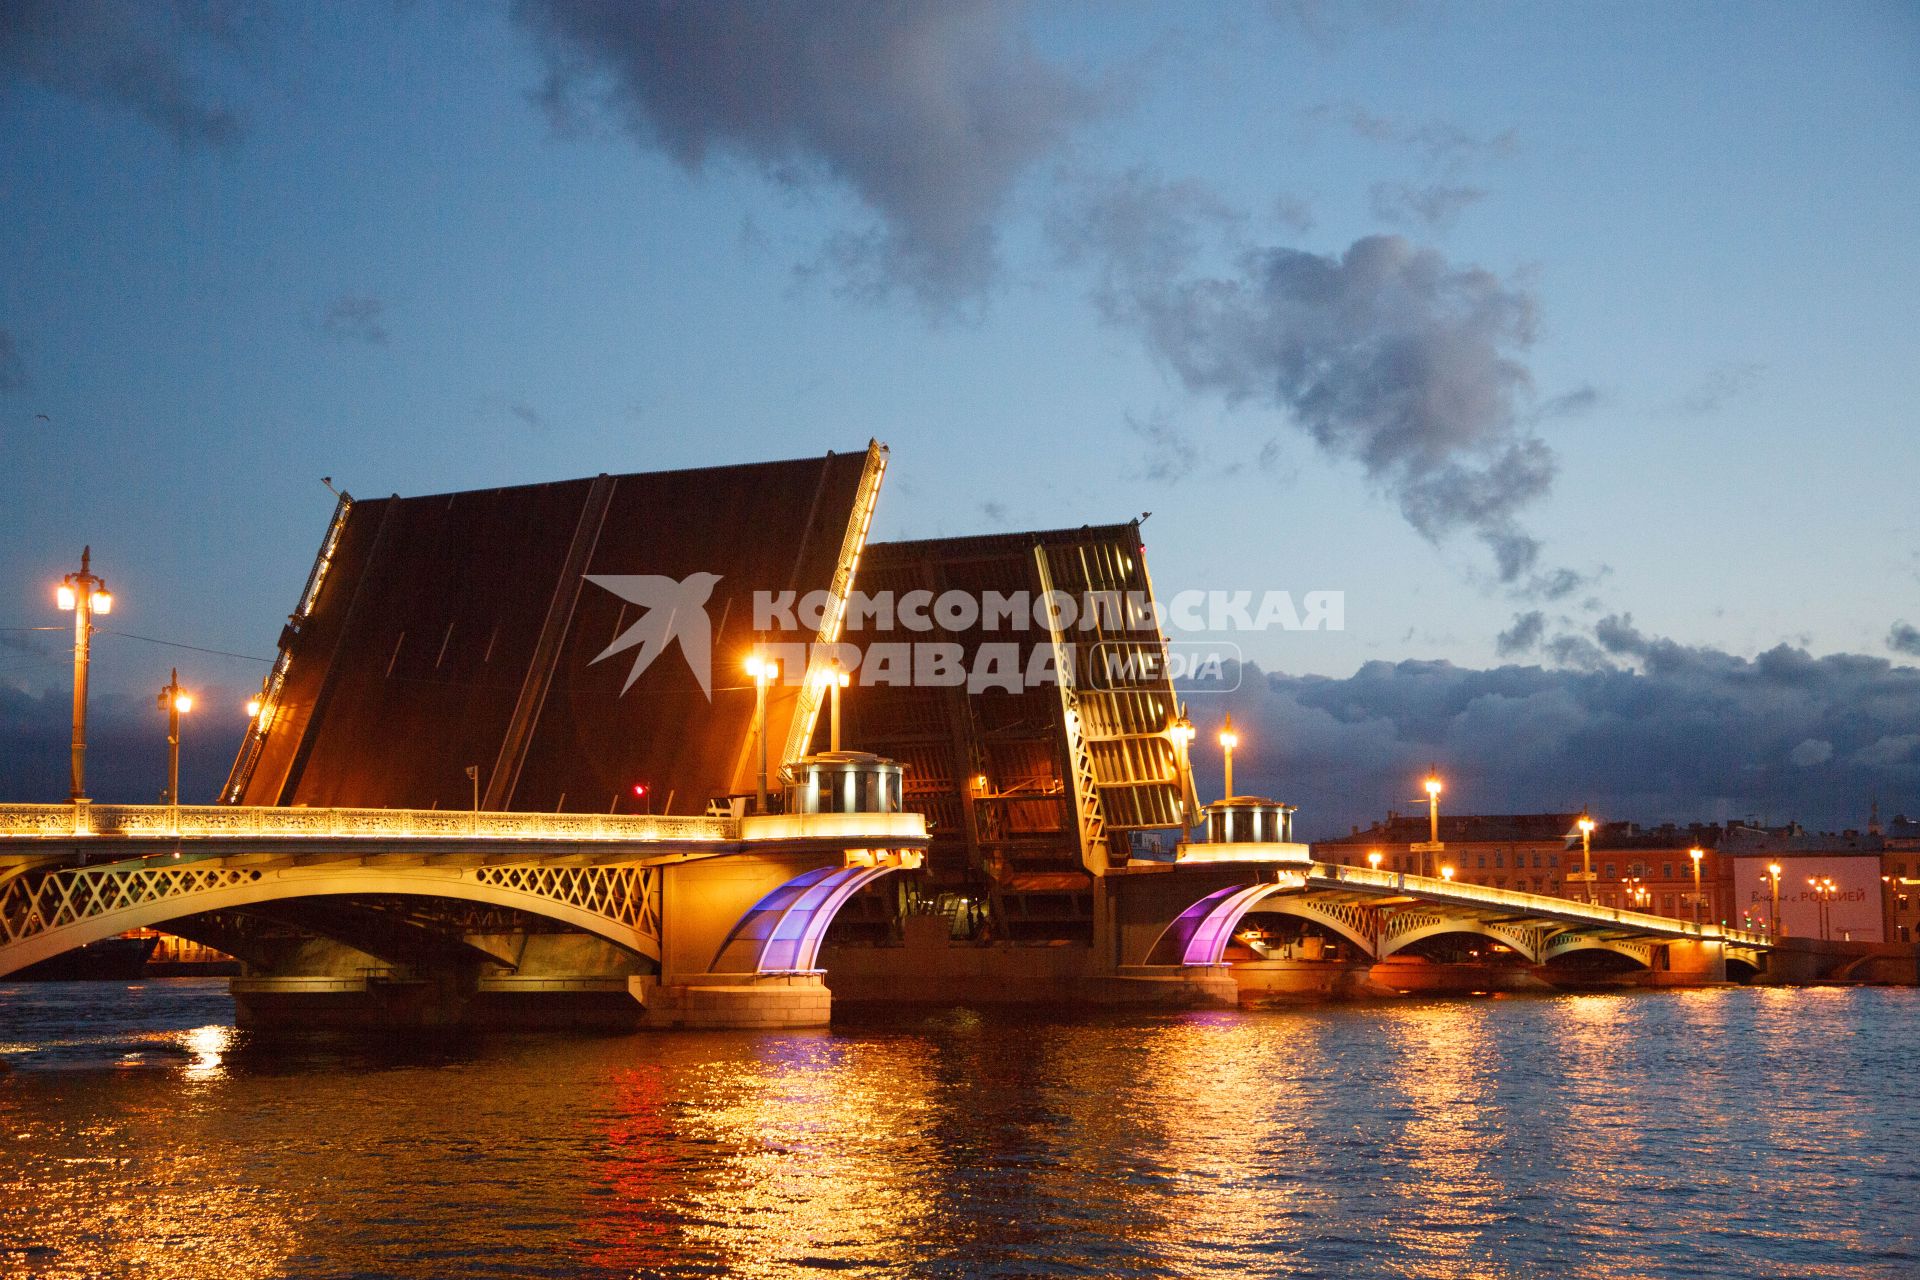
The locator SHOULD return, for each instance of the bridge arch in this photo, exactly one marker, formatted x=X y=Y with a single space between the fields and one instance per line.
x=1418 y=926
x=1200 y=934
x=62 y=910
x=1574 y=942
x=782 y=932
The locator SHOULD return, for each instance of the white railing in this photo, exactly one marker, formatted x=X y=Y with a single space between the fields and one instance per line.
x=1432 y=887
x=214 y=821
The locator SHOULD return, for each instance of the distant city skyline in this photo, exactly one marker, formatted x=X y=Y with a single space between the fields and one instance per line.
x=1573 y=344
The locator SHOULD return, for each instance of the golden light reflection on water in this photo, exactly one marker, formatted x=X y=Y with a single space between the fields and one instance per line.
x=1440 y=1075
x=819 y=1158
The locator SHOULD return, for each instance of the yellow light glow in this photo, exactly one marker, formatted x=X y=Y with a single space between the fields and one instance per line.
x=1433 y=786
x=1773 y=869
x=1696 y=854
x=183 y=702
x=1586 y=824
x=253 y=707
x=64 y=594
x=1446 y=873
x=102 y=602
x=1229 y=739
x=756 y=667
x=1373 y=859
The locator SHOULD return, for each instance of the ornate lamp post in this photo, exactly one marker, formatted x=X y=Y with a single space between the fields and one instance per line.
x=764 y=672
x=1228 y=741
x=84 y=595
x=1773 y=872
x=1430 y=848
x=1696 y=853
x=1586 y=825
x=176 y=702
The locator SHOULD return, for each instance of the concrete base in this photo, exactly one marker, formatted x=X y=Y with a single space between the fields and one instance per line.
x=1185 y=986
x=1269 y=982
x=1413 y=976
x=385 y=1004
x=738 y=1001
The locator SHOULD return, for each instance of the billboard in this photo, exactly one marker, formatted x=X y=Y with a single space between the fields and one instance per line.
x=1854 y=914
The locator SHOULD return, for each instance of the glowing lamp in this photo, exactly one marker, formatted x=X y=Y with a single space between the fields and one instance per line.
x=1433 y=786
x=254 y=706
x=183 y=702
x=1586 y=825
x=1773 y=869
x=1446 y=873
x=1373 y=859
x=639 y=788
x=1696 y=854
x=102 y=602
x=756 y=667
x=64 y=594
x=1229 y=739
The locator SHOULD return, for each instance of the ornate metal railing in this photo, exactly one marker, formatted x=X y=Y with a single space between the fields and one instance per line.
x=65 y=821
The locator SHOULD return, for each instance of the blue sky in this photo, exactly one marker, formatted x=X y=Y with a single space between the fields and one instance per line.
x=245 y=248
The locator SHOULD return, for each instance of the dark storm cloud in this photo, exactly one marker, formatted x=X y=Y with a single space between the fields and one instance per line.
x=1904 y=637
x=356 y=318
x=126 y=747
x=928 y=111
x=13 y=370
x=1388 y=354
x=1523 y=636
x=131 y=54
x=1693 y=733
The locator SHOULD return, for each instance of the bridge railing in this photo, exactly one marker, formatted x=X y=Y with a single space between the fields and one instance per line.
x=214 y=821
x=1433 y=887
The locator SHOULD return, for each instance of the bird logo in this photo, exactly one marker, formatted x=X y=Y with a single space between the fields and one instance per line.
x=670 y=610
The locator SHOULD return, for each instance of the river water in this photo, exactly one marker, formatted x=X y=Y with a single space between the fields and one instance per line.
x=1733 y=1132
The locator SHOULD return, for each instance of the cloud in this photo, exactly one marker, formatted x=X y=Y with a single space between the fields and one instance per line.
x=1445 y=148
x=1722 y=383
x=1810 y=752
x=1696 y=733
x=1387 y=355
x=1171 y=452
x=1568 y=404
x=126 y=751
x=1436 y=204
x=1904 y=638
x=1293 y=213
x=928 y=111
x=1523 y=636
x=355 y=318
x=13 y=370
x=131 y=54
x=528 y=416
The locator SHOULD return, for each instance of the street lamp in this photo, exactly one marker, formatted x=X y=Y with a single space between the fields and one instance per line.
x=84 y=595
x=1824 y=888
x=1696 y=853
x=764 y=672
x=835 y=678
x=1446 y=873
x=1431 y=847
x=176 y=702
x=1228 y=741
x=1373 y=859
x=1586 y=825
x=1773 y=872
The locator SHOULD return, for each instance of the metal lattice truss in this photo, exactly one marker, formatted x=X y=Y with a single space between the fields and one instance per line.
x=1202 y=933
x=44 y=913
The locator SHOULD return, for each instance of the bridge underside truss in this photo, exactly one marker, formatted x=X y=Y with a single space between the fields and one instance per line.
x=1202 y=933
x=43 y=914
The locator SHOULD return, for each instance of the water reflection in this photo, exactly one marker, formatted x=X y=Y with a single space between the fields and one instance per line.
x=1728 y=1133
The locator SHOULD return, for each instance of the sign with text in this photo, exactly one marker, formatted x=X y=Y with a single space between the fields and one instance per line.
x=1855 y=910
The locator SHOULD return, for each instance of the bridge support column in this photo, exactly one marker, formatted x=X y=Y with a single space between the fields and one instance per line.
x=744 y=1000
x=1689 y=963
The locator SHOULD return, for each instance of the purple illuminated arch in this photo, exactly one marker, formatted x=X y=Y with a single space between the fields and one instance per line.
x=782 y=932
x=1201 y=933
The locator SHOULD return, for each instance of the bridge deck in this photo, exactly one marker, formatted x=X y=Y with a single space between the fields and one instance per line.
x=1364 y=883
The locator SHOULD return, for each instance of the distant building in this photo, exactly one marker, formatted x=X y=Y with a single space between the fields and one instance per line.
x=1507 y=850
